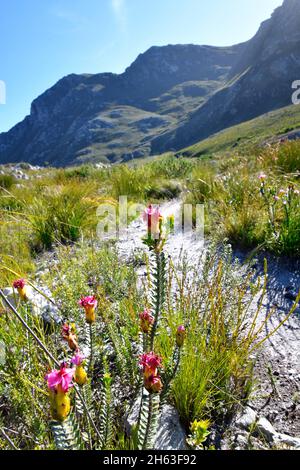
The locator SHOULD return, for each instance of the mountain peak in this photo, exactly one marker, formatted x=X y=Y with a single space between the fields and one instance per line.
x=162 y=67
x=278 y=34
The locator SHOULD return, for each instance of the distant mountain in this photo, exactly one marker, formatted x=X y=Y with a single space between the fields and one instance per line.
x=260 y=81
x=170 y=97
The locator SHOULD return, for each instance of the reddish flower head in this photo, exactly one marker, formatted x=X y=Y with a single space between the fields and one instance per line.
x=262 y=177
x=65 y=330
x=69 y=334
x=152 y=381
x=150 y=362
x=153 y=384
x=60 y=380
x=19 y=284
x=88 y=302
x=147 y=321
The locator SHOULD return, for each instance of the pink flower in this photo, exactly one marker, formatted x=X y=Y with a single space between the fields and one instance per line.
x=19 y=284
x=152 y=216
x=89 y=301
x=152 y=381
x=60 y=379
x=146 y=320
x=78 y=359
x=262 y=176
x=89 y=304
x=150 y=362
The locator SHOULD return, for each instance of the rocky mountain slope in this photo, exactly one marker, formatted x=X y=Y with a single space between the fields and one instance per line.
x=259 y=82
x=168 y=98
x=112 y=117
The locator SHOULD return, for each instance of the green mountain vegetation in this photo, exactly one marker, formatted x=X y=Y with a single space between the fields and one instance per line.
x=280 y=124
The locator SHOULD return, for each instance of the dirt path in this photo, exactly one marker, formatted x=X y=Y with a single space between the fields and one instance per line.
x=282 y=351
x=277 y=394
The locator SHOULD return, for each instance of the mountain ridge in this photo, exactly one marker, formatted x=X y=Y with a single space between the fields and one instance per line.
x=168 y=98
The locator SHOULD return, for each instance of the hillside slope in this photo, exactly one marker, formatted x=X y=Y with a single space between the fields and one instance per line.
x=280 y=124
x=260 y=81
x=169 y=98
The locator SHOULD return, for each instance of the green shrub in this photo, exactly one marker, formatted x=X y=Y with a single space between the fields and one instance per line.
x=163 y=190
x=7 y=181
x=171 y=167
x=126 y=181
x=61 y=215
x=284 y=157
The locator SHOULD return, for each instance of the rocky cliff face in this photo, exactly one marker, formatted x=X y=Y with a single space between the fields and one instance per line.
x=168 y=98
x=259 y=82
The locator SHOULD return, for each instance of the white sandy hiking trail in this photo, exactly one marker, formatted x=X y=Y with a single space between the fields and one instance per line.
x=277 y=393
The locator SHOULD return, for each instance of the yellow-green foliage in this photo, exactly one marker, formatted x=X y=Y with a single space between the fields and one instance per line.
x=59 y=206
x=215 y=368
x=212 y=301
x=235 y=208
x=57 y=211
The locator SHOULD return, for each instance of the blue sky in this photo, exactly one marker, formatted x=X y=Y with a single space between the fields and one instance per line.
x=43 y=40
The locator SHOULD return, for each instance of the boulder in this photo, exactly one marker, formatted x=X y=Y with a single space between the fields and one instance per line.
x=265 y=428
x=288 y=441
x=246 y=419
x=171 y=434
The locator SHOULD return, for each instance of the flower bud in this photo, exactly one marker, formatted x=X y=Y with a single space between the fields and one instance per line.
x=80 y=375
x=69 y=334
x=154 y=220
x=156 y=385
x=107 y=379
x=180 y=336
x=146 y=321
x=171 y=222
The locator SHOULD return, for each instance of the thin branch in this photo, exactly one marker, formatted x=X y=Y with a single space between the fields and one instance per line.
x=8 y=439
x=50 y=355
